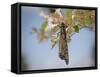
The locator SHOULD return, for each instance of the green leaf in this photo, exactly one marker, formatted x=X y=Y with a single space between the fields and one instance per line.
x=84 y=17
x=44 y=25
x=76 y=28
x=69 y=13
x=69 y=19
x=54 y=41
x=88 y=21
x=53 y=44
x=68 y=37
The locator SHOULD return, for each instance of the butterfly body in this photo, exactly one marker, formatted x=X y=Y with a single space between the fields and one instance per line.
x=63 y=48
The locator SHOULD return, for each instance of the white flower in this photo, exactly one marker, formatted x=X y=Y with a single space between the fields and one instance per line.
x=51 y=21
x=73 y=17
x=59 y=12
x=42 y=14
x=67 y=29
x=50 y=24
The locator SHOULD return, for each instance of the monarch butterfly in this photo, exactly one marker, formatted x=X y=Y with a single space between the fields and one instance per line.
x=63 y=47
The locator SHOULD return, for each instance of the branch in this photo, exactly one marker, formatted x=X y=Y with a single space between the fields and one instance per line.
x=92 y=27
